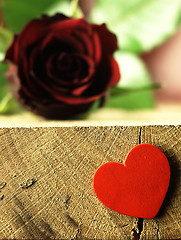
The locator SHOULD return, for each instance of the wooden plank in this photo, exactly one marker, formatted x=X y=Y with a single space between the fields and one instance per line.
x=167 y=224
x=46 y=176
x=61 y=162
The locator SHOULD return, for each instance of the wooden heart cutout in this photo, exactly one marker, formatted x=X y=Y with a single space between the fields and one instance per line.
x=136 y=187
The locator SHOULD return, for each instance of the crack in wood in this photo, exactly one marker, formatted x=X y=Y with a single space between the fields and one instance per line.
x=138 y=228
x=67 y=201
x=78 y=234
x=157 y=230
x=28 y=183
x=70 y=220
x=2 y=185
x=140 y=135
x=2 y=197
x=32 y=226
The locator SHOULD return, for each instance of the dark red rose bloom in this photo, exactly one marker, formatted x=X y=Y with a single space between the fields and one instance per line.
x=60 y=65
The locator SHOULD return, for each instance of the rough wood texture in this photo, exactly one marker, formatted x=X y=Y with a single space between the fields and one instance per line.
x=167 y=224
x=46 y=182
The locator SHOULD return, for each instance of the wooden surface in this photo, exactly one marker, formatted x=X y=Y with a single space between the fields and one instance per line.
x=46 y=179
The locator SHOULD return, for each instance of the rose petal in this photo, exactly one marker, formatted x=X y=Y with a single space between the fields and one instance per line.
x=108 y=40
x=115 y=72
x=30 y=84
x=97 y=48
x=77 y=77
x=12 y=51
x=70 y=23
x=48 y=20
x=57 y=44
x=85 y=40
x=37 y=28
x=107 y=78
x=56 y=110
x=78 y=100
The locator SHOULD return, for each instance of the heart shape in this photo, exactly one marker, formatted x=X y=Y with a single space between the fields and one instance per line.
x=136 y=187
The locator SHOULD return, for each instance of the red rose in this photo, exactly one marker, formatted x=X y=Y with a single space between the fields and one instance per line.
x=60 y=65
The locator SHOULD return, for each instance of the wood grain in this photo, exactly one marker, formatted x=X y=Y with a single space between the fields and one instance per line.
x=167 y=224
x=46 y=176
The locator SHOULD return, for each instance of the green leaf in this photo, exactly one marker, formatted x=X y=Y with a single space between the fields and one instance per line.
x=8 y=104
x=4 y=92
x=140 y=25
x=4 y=103
x=75 y=10
x=133 y=91
x=132 y=101
x=3 y=88
x=5 y=40
x=115 y=91
x=18 y=12
x=3 y=82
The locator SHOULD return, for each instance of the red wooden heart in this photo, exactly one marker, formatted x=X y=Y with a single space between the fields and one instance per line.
x=136 y=187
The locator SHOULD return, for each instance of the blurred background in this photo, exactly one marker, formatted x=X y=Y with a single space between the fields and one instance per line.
x=163 y=60
x=164 y=65
x=149 y=37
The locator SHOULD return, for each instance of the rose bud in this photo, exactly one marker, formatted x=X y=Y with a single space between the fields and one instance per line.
x=59 y=66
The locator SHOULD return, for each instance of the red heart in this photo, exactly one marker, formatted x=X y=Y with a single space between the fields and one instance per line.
x=136 y=187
